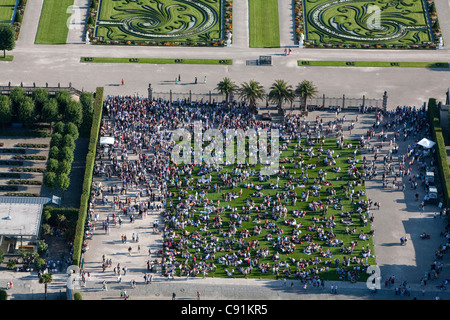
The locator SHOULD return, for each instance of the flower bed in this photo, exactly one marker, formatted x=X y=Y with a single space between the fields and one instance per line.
x=323 y=25
x=142 y=23
x=32 y=145
x=22 y=157
x=19 y=194
x=18 y=169
x=25 y=182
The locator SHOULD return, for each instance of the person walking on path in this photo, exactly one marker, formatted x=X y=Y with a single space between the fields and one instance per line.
x=198 y=295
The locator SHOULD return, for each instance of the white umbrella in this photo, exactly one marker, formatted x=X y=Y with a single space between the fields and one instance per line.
x=426 y=143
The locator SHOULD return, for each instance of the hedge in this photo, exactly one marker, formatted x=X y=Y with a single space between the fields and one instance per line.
x=87 y=182
x=438 y=136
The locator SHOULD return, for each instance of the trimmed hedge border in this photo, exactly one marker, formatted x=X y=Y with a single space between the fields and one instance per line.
x=438 y=136
x=87 y=182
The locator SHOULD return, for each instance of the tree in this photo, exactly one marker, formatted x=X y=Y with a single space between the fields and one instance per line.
x=63 y=98
x=305 y=90
x=7 y=38
x=54 y=152
x=26 y=112
x=74 y=113
x=64 y=166
x=59 y=127
x=226 y=87
x=50 y=180
x=5 y=110
x=251 y=91
x=49 y=112
x=42 y=247
x=2 y=256
x=52 y=165
x=281 y=91
x=63 y=182
x=70 y=128
x=40 y=98
x=17 y=95
x=65 y=153
x=39 y=264
x=45 y=279
x=68 y=141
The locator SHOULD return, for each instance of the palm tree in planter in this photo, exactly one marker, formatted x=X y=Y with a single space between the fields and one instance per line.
x=305 y=90
x=250 y=92
x=226 y=87
x=45 y=279
x=281 y=91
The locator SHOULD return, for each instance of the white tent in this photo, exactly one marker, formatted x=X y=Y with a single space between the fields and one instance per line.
x=106 y=140
x=426 y=143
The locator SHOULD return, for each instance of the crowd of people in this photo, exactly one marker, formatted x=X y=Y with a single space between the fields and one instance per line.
x=141 y=159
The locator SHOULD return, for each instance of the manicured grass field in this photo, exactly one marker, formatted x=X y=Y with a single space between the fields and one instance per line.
x=384 y=64
x=156 y=60
x=53 y=26
x=7 y=58
x=7 y=10
x=264 y=29
x=300 y=227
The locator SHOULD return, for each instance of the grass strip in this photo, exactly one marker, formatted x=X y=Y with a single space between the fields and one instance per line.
x=53 y=23
x=264 y=28
x=375 y=64
x=156 y=60
x=7 y=58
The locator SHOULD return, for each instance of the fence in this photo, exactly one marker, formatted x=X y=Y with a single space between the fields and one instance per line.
x=321 y=100
x=29 y=89
x=346 y=103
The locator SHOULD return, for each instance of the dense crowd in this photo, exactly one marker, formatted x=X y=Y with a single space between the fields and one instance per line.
x=143 y=128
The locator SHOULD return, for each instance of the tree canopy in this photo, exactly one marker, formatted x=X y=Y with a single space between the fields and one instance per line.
x=7 y=38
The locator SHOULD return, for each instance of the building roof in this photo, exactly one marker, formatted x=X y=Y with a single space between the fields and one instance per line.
x=21 y=216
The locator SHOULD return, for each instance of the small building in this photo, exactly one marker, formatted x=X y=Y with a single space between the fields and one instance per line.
x=20 y=220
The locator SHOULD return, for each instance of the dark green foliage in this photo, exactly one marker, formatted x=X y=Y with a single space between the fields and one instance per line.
x=7 y=38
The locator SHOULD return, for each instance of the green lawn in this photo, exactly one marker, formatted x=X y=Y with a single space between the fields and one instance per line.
x=7 y=58
x=6 y=10
x=53 y=26
x=387 y=64
x=263 y=24
x=156 y=60
x=313 y=227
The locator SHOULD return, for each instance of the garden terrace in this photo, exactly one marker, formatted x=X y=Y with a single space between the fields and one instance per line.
x=173 y=22
x=398 y=24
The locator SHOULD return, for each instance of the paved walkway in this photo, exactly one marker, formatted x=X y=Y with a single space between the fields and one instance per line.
x=77 y=30
x=61 y=64
x=287 y=26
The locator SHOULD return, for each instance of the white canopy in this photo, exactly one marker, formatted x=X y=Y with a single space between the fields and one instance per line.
x=106 y=140
x=426 y=143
